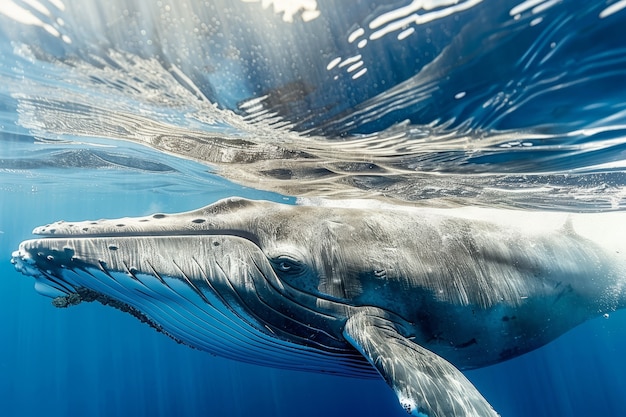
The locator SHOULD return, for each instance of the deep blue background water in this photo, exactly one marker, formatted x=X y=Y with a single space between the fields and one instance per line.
x=557 y=85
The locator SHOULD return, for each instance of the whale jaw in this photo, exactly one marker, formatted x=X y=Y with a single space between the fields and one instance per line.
x=211 y=293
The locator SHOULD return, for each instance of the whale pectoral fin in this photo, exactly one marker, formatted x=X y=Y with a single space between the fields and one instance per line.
x=426 y=384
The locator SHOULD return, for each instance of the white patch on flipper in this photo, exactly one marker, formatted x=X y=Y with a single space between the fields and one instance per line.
x=409 y=405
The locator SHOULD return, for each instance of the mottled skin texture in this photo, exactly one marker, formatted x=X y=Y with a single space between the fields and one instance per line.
x=394 y=284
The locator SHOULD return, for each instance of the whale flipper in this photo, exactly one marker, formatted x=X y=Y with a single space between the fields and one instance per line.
x=426 y=384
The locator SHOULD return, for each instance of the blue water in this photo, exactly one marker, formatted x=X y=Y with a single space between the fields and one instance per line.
x=481 y=106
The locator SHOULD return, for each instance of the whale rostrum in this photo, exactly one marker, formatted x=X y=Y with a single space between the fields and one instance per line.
x=413 y=294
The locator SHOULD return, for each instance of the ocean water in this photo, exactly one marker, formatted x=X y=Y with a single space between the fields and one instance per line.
x=126 y=108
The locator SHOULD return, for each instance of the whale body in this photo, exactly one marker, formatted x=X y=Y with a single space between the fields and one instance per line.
x=413 y=294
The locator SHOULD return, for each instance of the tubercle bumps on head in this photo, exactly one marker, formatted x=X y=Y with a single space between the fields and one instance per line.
x=149 y=225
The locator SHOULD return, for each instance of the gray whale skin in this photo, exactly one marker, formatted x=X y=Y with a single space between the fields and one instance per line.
x=412 y=294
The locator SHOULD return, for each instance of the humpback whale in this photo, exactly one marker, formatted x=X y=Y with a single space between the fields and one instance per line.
x=415 y=295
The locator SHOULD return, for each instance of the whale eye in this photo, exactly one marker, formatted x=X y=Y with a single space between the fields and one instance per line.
x=285 y=264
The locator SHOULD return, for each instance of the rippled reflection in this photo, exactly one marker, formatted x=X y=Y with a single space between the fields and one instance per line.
x=439 y=102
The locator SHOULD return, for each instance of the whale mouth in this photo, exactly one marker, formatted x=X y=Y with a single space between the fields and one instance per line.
x=213 y=292
x=179 y=285
x=66 y=294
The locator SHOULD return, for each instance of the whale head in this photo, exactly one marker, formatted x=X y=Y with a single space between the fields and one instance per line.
x=224 y=278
